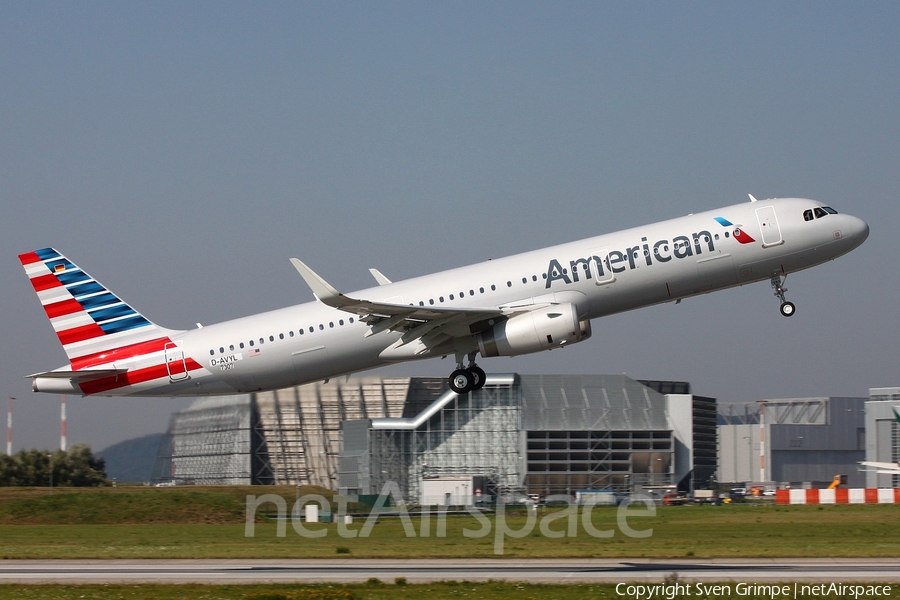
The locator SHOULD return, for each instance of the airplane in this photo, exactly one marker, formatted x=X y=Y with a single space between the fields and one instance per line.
x=882 y=468
x=540 y=300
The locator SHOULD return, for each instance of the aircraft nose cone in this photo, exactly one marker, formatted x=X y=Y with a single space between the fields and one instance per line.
x=857 y=230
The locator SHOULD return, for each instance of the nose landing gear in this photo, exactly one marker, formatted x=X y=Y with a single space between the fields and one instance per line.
x=787 y=309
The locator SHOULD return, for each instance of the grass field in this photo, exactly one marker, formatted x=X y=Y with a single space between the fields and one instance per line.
x=445 y=590
x=135 y=522
x=209 y=523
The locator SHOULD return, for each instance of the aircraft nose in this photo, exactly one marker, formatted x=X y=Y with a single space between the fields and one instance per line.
x=853 y=232
x=856 y=230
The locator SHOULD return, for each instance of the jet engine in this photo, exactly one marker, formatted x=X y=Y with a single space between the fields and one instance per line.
x=541 y=329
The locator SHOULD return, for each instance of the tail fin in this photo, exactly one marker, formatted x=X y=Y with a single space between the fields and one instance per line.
x=88 y=319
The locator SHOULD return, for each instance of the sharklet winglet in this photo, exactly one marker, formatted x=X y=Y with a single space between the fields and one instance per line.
x=323 y=291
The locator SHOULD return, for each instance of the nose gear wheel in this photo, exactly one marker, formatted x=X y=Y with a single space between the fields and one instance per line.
x=787 y=308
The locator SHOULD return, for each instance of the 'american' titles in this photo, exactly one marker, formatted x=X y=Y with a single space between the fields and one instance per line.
x=617 y=261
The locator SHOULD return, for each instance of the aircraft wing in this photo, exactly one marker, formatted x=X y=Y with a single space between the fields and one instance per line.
x=882 y=467
x=416 y=321
x=379 y=277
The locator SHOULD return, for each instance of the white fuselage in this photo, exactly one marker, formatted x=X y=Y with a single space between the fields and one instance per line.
x=639 y=267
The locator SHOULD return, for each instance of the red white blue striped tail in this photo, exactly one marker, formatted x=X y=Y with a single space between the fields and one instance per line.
x=88 y=319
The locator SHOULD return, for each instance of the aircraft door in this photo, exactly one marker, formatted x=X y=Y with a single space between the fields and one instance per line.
x=175 y=364
x=604 y=274
x=768 y=225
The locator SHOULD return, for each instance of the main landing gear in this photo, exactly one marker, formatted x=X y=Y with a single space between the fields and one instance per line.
x=787 y=308
x=469 y=379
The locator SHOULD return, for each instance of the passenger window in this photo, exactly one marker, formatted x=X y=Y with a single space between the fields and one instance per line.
x=262 y=341
x=341 y=322
x=451 y=296
x=321 y=327
x=300 y=332
x=331 y=324
x=241 y=345
x=471 y=292
x=212 y=352
x=311 y=329
x=441 y=298
x=431 y=301
x=221 y=350
x=231 y=348
x=291 y=333
x=808 y=215
x=481 y=290
x=280 y=336
x=820 y=213
x=509 y=284
x=271 y=338
x=493 y=288
x=251 y=342
x=351 y=319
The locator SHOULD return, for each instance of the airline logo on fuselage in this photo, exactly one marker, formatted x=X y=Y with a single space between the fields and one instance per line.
x=662 y=251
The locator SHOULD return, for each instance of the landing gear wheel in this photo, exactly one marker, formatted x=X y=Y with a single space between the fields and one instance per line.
x=479 y=375
x=787 y=308
x=462 y=381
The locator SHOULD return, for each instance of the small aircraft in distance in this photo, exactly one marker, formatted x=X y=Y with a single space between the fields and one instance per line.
x=539 y=300
x=882 y=468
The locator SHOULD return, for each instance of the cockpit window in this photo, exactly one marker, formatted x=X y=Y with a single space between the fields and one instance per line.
x=808 y=215
x=829 y=210
x=820 y=213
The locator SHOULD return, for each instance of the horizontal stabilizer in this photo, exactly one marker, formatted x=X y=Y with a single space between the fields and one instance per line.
x=79 y=376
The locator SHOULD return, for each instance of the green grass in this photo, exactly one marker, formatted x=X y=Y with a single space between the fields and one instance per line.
x=125 y=505
x=383 y=591
x=208 y=522
x=444 y=590
x=684 y=531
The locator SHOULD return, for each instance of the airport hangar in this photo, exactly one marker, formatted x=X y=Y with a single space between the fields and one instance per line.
x=519 y=434
x=522 y=434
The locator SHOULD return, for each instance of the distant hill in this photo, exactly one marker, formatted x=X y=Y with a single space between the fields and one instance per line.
x=132 y=460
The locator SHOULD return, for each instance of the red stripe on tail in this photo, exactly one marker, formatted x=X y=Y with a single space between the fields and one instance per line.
x=45 y=282
x=123 y=352
x=29 y=258
x=78 y=334
x=99 y=386
x=66 y=307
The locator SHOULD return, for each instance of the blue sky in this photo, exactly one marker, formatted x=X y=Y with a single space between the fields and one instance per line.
x=182 y=152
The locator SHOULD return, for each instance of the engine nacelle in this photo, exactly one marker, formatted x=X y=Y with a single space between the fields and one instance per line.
x=541 y=329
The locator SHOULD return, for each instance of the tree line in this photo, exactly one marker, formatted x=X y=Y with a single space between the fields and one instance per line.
x=41 y=468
